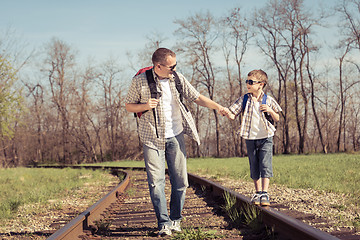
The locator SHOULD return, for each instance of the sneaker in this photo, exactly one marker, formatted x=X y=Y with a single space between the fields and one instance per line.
x=256 y=199
x=264 y=199
x=175 y=226
x=164 y=231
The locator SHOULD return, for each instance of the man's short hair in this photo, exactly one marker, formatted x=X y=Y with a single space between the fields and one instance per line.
x=160 y=55
x=260 y=75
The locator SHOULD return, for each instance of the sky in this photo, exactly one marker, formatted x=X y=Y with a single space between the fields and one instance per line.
x=100 y=28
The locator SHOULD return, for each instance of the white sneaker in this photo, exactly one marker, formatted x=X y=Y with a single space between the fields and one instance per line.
x=164 y=231
x=175 y=226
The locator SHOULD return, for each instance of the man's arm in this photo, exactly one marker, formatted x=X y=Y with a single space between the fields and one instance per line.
x=207 y=102
x=141 y=107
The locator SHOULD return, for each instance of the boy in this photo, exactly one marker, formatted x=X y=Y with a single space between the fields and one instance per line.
x=258 y=131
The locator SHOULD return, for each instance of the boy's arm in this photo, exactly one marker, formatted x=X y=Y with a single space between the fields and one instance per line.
x=265 y=108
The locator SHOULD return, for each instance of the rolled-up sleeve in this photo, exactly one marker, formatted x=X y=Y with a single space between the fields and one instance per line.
x=190 y=93
x=235 y=108
x=133 y=95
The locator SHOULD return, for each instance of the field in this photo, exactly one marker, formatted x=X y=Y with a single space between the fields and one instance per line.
x=27 y=186
x=333 y=173
x=338 y=173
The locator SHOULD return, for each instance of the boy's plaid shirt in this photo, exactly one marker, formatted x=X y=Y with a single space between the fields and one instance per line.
x=139 y=92
x=244 y=130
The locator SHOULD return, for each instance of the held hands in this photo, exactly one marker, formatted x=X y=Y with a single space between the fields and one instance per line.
x=226 y=112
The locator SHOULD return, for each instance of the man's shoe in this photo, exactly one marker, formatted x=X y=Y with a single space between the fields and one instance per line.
x=264 y=200
x=175 y=226
x=164 y=231
x=256 y=199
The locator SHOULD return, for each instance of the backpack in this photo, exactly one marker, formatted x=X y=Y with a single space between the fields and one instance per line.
x=263 y=101
x=155 y=93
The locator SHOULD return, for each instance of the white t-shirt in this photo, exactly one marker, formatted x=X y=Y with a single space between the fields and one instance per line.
x=172 y=114
x=257 y=129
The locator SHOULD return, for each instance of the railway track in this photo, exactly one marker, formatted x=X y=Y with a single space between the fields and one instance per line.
x=128 y=214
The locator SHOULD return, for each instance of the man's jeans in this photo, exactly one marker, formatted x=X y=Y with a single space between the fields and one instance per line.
x=175 y=156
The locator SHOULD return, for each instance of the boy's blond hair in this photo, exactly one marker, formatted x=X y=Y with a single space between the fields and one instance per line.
x=260 y=75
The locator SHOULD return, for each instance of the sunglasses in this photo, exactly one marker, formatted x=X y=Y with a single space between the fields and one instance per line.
x=171 y=67
x=252 y=82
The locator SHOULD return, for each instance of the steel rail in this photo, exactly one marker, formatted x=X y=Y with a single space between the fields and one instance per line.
x=76 y=227
x=286 y=227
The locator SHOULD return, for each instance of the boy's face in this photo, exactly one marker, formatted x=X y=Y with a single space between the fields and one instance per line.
x=254 y=85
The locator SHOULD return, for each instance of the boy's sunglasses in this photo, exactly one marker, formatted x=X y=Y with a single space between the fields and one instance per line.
x=251 y=82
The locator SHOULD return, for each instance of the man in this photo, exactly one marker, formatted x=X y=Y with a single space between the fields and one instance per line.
x=162 y=134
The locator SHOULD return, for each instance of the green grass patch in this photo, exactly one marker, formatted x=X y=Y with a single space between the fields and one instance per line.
x=196 y=234
x=21 y=186
x=338 y=173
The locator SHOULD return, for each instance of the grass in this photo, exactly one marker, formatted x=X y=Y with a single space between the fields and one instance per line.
x=338 y=173
x=248 y=218
x=22 y=186
x=196 y=234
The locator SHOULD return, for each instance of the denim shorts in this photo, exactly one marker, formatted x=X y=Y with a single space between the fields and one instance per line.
x=260 y=152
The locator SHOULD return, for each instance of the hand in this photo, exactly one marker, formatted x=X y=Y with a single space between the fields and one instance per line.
x=224 y=111
x=265 y=108
x=152 y=103
x=221 y=110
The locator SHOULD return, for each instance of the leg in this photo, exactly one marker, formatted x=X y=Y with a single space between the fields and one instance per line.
x=253 y=160
x=176 y=161
x=257 y=184
x=155 y=169
x=265 y=158
x=265 y=184
x=254 y=169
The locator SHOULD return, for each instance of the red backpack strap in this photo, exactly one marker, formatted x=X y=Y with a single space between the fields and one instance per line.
x=143 y=70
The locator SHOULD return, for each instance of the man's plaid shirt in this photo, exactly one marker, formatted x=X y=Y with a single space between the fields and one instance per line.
x=139 y=92
x=244 y=130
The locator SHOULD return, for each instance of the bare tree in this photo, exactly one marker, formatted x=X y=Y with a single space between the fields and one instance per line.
x=86 y=133
x=350 y=28
x=286 y=27
x=270 y=25
x=237 y=34
x=37 y=93
x=111 y=86
x=198 y=34
x=60 y=61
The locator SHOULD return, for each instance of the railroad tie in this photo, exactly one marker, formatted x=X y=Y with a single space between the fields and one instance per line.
x=132 y=215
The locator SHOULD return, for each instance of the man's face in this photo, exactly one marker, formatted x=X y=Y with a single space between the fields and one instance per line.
x=166 y=69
